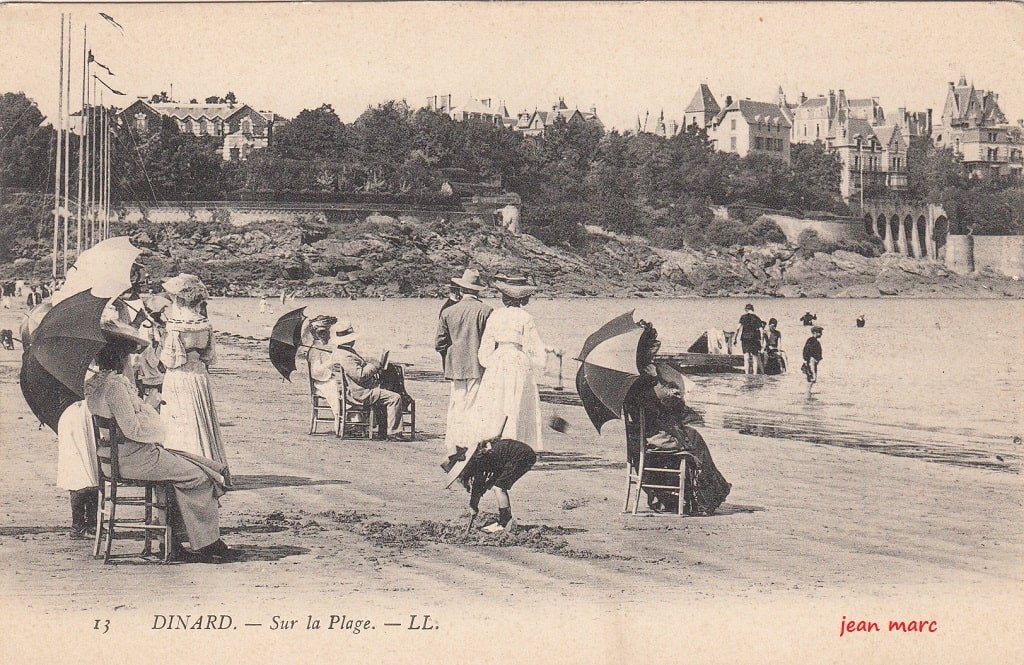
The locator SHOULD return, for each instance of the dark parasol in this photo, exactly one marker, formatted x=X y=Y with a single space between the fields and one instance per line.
x=63 y=346
x=608 y=368
x=285 y=340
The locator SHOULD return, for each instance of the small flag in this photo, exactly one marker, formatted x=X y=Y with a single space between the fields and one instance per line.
x=107 y=86
x=92 y=58
x=109 y=19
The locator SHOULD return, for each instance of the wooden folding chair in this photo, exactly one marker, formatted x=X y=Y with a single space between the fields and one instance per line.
x=354 y=417
x=646 y=464
x=153 y=499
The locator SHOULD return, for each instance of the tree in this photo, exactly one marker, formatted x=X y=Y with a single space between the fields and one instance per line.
x=24 y=144
x=160 y=97
x=313 y=134
x=230 y=98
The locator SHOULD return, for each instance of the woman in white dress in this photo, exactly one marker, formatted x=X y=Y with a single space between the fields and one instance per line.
x=321 y=365
x=76 y=466
x=188 y=350
x=510 y=352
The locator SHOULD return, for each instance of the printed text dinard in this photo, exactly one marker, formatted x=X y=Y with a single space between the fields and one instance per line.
x=340 y=622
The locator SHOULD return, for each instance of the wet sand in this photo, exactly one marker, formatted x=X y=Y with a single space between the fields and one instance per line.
x=809 y=533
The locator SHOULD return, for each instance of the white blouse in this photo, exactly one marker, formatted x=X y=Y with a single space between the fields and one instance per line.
x=515 y=326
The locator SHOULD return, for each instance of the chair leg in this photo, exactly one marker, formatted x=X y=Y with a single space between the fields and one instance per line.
x=340 y=428
x=680 y=509
x=101 y=502
x=111 y=515
x=629 y=487
x=312 y=421
x=147 y=549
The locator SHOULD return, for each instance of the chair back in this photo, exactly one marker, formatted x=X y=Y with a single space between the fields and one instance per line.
x=108 y=438
x=636 y=431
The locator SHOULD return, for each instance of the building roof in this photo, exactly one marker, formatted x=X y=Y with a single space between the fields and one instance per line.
x=814 y=102
x=703 y=101
x=757 y=112
x=182 y=111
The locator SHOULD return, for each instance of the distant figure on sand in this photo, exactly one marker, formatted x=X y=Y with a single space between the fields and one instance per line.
x=812 y=356
x=263 y=304
x=861 y=321
x=808 y=318
x=188 y=410
x=459 y=331
x=749 y=334
x=511 y=352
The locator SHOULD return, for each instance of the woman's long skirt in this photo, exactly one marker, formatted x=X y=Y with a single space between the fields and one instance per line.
x=190 y=415
x=508 y=390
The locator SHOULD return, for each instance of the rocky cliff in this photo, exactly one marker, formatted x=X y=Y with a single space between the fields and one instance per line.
x=415 y=256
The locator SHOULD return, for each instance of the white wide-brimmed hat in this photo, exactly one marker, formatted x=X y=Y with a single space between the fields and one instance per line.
x=343 y=333
x=470 y=280
x=456 y=463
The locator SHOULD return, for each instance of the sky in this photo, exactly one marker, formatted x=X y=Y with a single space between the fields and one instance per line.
x=627 y=59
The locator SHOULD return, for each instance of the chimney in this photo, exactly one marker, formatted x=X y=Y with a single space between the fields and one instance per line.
x=593 y=109
x=950 y=85
x=803 y=98
x=728 y=101
x=487 y=102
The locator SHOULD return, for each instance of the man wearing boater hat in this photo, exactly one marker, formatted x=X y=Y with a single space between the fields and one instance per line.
x=459 y=330
x=364 y=378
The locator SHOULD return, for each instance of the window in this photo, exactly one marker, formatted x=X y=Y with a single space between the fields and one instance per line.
x=817 y=131
x=234 y=154
x=732 y=124
x=758 y=143
x=204 y=127
x=140 y=122
x=805 y=130
x=993 y=136
x=246 y=125
x=732 y=142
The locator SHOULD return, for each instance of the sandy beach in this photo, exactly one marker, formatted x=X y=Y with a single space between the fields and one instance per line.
x=808 y=535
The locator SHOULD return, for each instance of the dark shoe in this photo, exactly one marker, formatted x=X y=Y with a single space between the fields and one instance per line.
x=217 y=552
x=78 y=533
x=401 y=436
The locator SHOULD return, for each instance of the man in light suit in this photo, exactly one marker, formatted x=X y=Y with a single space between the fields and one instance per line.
x=459 y=330
x=364 y=379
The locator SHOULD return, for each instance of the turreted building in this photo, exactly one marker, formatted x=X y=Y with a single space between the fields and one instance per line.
x=974 y=126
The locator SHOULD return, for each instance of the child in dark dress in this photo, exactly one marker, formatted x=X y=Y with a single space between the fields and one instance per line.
x=496 y=463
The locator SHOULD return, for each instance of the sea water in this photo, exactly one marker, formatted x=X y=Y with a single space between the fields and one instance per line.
x=937 y=379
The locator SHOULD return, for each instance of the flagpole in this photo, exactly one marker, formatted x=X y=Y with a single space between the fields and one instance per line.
x=66 y=122
x=60 y=151
x=106 y=169
x=94 y=153
x=81 y=145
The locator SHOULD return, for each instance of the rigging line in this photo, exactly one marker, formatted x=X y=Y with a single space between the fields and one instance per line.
x=138 y=152
x=141 y=163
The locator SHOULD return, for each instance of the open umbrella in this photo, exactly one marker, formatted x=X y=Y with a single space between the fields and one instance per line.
x=47 y=397
x=285 y=340
x=31 y=322
x=608 y=368
x=65 y=343
x=105 y=268
x=68 y=338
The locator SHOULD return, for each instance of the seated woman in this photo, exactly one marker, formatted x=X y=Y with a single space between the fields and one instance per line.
x=321 y=369
x=668 y=422
x=196 y=481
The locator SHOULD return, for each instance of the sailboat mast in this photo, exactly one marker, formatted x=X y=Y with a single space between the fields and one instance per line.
x=66 y=121
x=59 y=161
x=82 y=142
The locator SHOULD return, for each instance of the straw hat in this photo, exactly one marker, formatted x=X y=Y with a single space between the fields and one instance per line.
x=343 y=333
x=116 y=332
x=515 y=287
x=470 y=280
x=186 y=287
x=456 y=464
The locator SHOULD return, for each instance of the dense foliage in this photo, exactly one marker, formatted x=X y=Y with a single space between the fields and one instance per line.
x=576 y=174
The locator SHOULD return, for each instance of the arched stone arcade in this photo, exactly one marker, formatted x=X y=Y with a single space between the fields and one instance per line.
x=911 y=230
